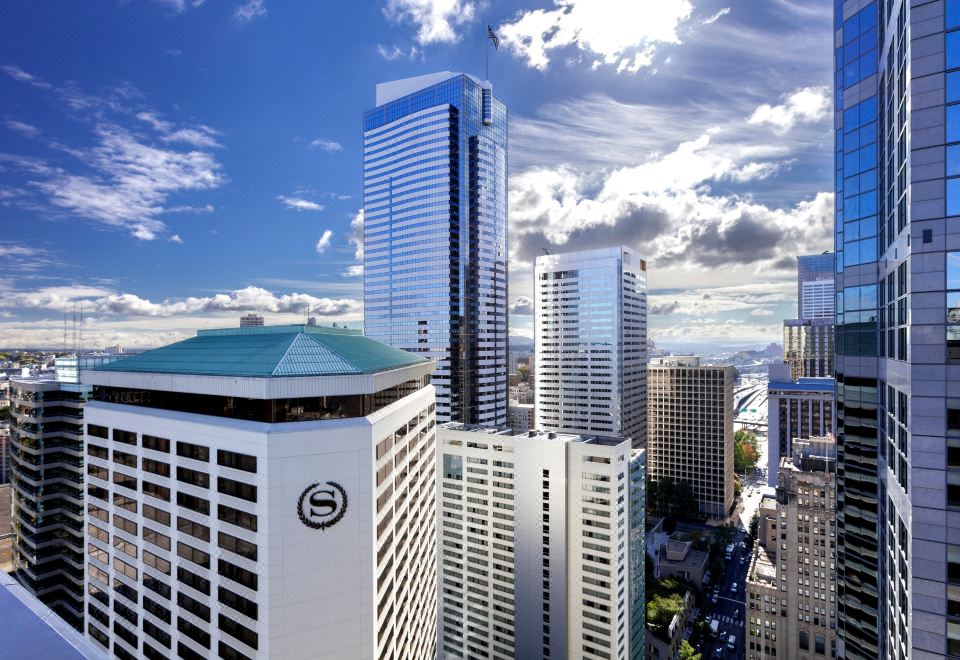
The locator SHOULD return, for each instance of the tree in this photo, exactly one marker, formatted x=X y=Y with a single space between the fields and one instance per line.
x=754 y=526
x=746 y=451
x=687 y=652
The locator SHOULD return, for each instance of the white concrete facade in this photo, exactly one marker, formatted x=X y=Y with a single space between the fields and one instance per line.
x=590 y=324
x=253 y=579
x=538 y=558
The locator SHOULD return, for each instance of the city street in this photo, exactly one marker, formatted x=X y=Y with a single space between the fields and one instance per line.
x=730 y=607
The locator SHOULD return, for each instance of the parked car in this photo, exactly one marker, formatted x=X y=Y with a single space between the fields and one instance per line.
x=718 y=653
x=733 y=588
x=732 y=642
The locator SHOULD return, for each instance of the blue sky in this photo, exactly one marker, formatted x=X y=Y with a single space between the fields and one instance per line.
x=176 y=163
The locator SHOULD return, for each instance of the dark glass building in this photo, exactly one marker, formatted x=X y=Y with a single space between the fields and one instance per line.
x=897 y=245
x=435 y=236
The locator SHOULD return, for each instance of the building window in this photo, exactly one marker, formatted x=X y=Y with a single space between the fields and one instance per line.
x=238 y=546
x=243 y=605
x=126 y=437
x=198 y=557
x=236 y=517
x=194 y=477
x=156 y=444
x=192 y=631
x=237 y=489
x=196 y=452
x=236 y=461
x=193 y=580
x=155 y=514
x=953 y=306
x=237 y=574
x=194 y=529
x=241 y=633
x=194 y=503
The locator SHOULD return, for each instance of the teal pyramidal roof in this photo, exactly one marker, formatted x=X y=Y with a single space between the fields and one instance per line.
x=270 y=351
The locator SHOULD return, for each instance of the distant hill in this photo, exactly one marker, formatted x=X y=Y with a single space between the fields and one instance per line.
x=520 y=343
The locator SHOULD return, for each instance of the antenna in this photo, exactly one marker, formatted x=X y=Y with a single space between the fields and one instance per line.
x=546 y=251
x=81 y=328
x=64 y=329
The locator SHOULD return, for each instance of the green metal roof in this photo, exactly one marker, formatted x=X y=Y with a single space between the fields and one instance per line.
x=270 y=351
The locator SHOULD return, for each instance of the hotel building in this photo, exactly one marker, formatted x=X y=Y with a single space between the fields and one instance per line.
x=262 y=492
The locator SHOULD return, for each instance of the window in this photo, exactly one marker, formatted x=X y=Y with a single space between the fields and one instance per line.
x=193 y=606
x=196 y=452
x=126 y=569
x=236 y=517
x=229 y=653
x=193 y=477
x=156 y=632
x=98 y=431
x=123 y=633
x=125 y=503
x=237 y=489
x=189 y=553
x=236 y=461
x=98 y=472
x=238 y=546
x=156 y=467
x=193 y=580
x=98 y=492
x=239 y=603
x=155 y=514
x=953 y=305
x=125 y=480
x=123 y=458
x=125 y=547
x=97 y=451
x=156 y=444
x=156 y=609
x=195 y=633
x=98 y=533
x=128 y=526
x=157 y=586
x=151 y=653
x=237 y=574
x=156 y=490
x=242 y=633
x=194 y=529
x=98 y=554
x=154 y=561
x=194 y=503
x=126 y=437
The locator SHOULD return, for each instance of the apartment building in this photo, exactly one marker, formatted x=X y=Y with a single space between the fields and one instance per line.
x=262 y=492
x=541 y=545
x=795 y=409
x=690 y=429
x=791 y=582
x=808 y=347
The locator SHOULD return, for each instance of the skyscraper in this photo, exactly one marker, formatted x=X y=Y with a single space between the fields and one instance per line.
x=815 y=286
x=808 y=347
x=435 y=235
x=690 y=429
x=897 y=367
x=590 y=325
x=262 y=492
x=542 y=545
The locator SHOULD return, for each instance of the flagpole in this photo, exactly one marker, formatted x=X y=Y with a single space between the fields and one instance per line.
x=486 y=51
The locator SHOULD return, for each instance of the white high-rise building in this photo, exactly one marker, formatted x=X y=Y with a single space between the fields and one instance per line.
x=541 y=545
x=590 y=324
x=262 y=492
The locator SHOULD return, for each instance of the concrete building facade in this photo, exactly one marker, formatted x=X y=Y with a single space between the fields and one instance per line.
x=541 y=545
x=690 y=429
x=796 y=409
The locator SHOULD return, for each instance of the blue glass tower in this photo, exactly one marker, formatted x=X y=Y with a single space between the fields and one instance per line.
x=898 y=327
x=435 y=236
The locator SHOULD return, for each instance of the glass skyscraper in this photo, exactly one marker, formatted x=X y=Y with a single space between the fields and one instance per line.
x=815 y=286
x=897 y=365
x=435 y=236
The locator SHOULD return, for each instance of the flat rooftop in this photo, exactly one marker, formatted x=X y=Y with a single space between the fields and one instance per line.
x=762 y=569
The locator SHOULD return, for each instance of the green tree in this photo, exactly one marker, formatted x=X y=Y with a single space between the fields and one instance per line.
x=687 y=652
x=754 y=526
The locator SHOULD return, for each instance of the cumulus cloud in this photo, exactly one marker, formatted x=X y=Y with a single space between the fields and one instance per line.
x=250 y=10
x=732 y=330
x=699 y=302
x=326 y=144
x=324 y=241
x=622 y=33
x=522 y=306
x=436 y=20
x=668 y=207
x=300 y=204
x=97 y=300
x=662 y=308
x=803 y=106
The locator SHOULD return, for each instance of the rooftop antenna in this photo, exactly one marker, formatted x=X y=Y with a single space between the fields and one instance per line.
x=546 y=251
x=81 y=328
x=64 y=329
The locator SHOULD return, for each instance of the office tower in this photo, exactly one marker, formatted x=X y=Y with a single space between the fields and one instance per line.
x=808 y=347
x=521 y=416
x=690 y=429
x=251 y=321
x=795 y=409
x=590 y=325
x=46 y=466
x=898 y=421
x=262 y=492
x=815 y=286
x=791 y=585
x=435 y=236
x=541 y=545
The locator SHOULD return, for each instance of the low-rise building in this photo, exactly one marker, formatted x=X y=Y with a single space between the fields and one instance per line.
x=679 y=559
x=520 y=416
x=663 y=642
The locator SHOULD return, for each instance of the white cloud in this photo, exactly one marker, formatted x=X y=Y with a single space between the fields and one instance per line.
x=18 y=73
x=391 y=53
x=324 y=241
x=176 y=239
x=201 y=137
x=720 y=14
x=436 y=20
x=609 y=31
x=805 y=105
x=326 y=144
x=250 y=10
x=300 y=204
x=762 y=312
x=23 y=128
x=732 y=330
x=131 y=182
x=355 y=238
x=522 y=306
x=753 y=297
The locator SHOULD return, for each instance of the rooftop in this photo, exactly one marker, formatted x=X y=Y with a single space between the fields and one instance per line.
x=762 y=568
x=269 y=352
x=395 y=89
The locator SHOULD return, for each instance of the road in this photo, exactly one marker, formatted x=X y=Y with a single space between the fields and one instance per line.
x=730 y=608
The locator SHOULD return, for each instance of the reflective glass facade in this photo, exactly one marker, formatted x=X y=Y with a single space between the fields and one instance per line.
x=435 y=238
x=898 y=389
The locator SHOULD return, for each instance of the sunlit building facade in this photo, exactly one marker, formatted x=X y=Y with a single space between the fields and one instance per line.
x=435 y=236
x=897 y=143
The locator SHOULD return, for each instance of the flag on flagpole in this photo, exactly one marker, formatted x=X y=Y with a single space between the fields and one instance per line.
x=493 y=37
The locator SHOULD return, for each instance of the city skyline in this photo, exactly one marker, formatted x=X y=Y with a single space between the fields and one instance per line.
x=240 y=164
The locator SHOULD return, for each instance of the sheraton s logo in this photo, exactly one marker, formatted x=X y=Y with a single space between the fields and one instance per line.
x=322 y=505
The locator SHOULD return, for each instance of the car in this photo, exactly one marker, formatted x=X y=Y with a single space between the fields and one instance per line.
x=714 y=598
x=718 y=653
x=733 y=588
x=732 y=642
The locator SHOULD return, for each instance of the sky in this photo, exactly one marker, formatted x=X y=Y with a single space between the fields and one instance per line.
x=170 y=165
